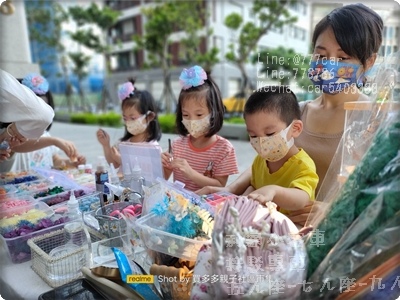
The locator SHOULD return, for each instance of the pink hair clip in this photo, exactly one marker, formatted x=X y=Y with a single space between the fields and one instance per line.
x=125 y=90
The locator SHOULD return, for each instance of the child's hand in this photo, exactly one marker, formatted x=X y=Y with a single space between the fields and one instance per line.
x=103 y=137
x=268 y=197
x=166 y=159
x=211 y=190
x=182 y=165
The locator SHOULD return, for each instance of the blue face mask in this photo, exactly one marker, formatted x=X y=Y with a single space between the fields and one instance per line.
x=332 y=77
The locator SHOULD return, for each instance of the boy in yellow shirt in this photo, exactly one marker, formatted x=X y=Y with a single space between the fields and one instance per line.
x=281 y=172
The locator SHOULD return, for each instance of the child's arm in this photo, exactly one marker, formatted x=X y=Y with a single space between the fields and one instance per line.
x=237 y=187
x=286 y=198
x=104 y=139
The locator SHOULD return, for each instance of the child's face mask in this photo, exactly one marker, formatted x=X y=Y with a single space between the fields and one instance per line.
x=197 y=128
x=136 y=126
x=332 y=77
x=273 y=148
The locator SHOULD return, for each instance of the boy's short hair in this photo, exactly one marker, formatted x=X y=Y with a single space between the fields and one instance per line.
x=278 y=99
x=210 y=91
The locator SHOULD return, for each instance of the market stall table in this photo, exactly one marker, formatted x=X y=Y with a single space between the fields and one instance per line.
x=19 y=281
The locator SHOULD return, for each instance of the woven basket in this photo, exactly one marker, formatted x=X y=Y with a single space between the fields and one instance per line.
x=59 y=270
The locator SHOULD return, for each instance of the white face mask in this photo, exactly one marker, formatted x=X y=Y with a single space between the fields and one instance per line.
x=197 y=128
x=136 y=126
x=273 y=148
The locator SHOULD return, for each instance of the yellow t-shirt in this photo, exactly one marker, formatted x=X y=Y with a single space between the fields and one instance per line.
x=298 y=172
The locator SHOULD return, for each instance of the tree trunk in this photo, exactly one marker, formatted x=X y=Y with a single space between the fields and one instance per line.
x=246 y=85
x=81 y=94
x=168 y=95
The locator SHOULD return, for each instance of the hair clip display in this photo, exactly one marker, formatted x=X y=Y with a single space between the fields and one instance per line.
x=37 y=83
x=192 y=77
x=126 y=90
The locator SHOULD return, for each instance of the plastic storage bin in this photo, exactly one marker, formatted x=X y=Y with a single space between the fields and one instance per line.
x=154 y=238
x=7 y=191
x=32 y=187
x=39 y=220
x=16 y=206
x=19 y=177
x=55 y=199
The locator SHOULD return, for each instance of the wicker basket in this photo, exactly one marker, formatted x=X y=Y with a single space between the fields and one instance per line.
x=64 y=268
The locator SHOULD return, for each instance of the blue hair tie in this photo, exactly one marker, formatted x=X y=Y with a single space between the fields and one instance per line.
x=37 y=83
x=192 y=77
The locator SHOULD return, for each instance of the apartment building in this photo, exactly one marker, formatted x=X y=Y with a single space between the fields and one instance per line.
x=127 y=62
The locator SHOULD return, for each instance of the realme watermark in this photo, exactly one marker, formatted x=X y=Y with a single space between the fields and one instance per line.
x=140 y=279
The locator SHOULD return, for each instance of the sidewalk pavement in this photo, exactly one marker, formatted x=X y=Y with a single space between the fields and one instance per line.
x=84 y=137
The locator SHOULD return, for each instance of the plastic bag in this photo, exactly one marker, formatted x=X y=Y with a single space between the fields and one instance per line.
x=256 y=253
x=351 y=201
x=370 y=235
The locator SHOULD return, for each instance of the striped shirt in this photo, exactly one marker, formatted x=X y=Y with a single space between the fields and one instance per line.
x=216 y=160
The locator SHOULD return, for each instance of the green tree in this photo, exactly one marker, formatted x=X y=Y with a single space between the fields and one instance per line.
x=45 y=20
x=284 y=65
x=102 y=18
x=165 y=19
x=81 y=63
x=268 y=14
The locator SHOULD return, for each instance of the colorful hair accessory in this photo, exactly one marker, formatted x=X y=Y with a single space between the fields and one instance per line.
x=192 y=77
x=37 y=83
x=125 y=90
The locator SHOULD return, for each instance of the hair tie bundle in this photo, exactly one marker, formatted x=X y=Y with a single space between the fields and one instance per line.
x=192 y=77
x=37 y=83
x=126 y=90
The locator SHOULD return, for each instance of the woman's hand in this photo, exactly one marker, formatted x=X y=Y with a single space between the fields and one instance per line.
x=4 y=154
x=12 y=136
x=103 y=138
x=68 y=148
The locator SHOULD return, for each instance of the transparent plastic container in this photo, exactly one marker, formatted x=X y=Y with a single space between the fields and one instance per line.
x=7 y=191
x=19 y=177
x=16 y=205
x=155 y=238
x=32 y=187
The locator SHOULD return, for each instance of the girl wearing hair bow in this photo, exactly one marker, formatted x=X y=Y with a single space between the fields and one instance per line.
x=140 y=118
x=199 y=157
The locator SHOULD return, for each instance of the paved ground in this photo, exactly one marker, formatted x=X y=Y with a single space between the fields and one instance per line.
x=84 y=137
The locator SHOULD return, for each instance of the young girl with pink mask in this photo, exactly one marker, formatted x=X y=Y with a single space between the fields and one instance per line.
x=199 y=157
x=140 y=118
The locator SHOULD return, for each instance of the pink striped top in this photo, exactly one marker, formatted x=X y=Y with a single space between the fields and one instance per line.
x=218 y=159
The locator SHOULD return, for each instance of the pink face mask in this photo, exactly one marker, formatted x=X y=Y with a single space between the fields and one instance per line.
x=273 y=148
